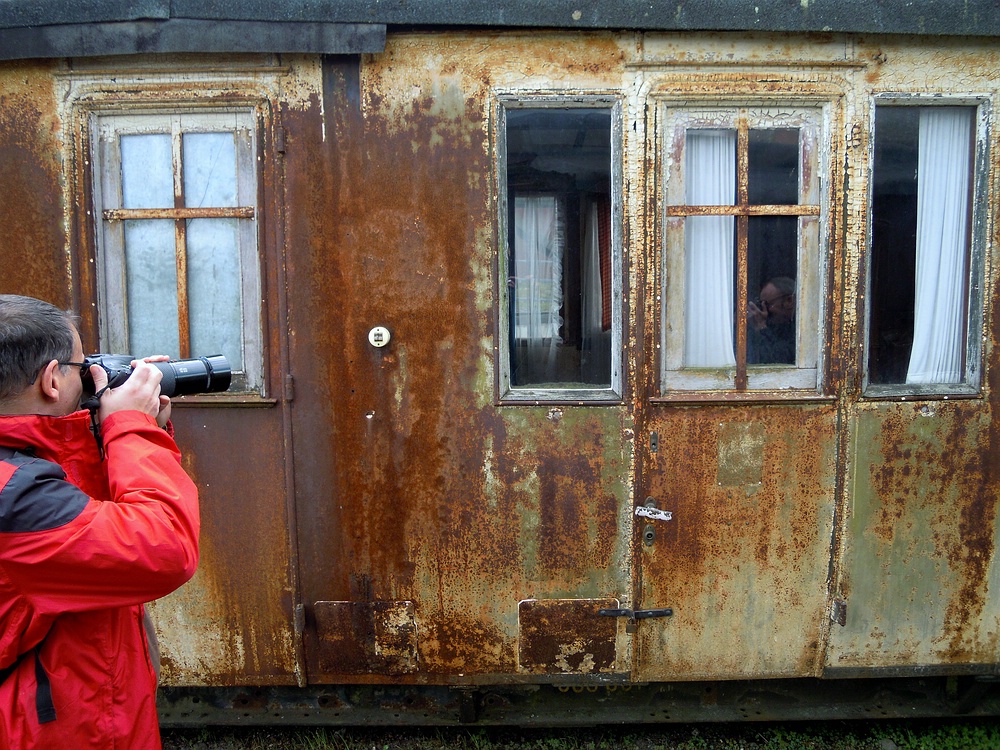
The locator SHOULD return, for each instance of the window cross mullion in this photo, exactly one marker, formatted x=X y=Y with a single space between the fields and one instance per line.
x=124 y=214
x=180 y=243
x=742 y=249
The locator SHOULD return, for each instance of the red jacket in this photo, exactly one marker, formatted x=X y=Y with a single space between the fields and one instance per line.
x=83 y=543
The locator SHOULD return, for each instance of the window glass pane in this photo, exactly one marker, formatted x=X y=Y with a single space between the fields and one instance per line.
x=151 y=280
x=772 y=250
x=214 y=303
x=208 y=157
x=209 y=169
x=147 y=174
x=559 y=247
x=774 y=166
x=920 y=243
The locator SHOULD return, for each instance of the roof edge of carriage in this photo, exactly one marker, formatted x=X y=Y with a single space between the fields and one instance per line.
x=54 y=28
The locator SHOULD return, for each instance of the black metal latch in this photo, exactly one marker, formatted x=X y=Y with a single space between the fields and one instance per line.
x=634 y=615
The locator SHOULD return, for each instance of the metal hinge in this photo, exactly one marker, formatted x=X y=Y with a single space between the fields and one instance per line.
x=838 y=612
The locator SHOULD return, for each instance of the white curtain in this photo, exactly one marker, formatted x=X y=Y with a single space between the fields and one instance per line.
x=592 y=296
x=595 y=360
x=537 y=284
x=942 y=237
x=708 y=245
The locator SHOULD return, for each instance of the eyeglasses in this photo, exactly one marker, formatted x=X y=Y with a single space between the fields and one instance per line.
x=763 y=303
x=84 y=367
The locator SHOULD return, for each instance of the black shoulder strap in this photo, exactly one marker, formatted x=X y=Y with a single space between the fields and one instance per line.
x=43 y=688
x=43 y=692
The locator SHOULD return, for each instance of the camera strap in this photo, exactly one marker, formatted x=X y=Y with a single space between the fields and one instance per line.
x=95 y=426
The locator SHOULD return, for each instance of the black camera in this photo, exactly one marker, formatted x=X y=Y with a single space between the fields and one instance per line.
x=181 y=377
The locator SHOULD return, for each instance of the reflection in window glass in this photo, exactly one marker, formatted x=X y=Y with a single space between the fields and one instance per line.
x=559 y=247
x=772 y=258
x=920 y=244
x=710 y=248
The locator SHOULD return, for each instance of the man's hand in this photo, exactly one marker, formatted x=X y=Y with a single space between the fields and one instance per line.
x=164 y=414
x=757 y=316
x=141 y=392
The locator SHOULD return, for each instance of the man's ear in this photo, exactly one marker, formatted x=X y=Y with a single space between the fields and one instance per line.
x=48 y=383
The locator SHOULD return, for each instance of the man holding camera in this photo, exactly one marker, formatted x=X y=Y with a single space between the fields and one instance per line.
x=97 y=516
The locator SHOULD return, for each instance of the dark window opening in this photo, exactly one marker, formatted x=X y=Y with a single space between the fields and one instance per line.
x=921 y=209
x=559 y=247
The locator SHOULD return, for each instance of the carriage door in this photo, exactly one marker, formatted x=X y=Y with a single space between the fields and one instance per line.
x=919 y=571
x=735 y=494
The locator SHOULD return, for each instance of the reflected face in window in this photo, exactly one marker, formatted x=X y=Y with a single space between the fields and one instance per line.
x=779 y=305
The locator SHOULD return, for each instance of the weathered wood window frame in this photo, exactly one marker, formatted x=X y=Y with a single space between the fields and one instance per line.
x=112 y=218
x=977 y=242
x=509 y=392
x=674 y=122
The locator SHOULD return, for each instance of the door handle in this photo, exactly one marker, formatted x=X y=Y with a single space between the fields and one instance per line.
x=654 y=513
x=651 y=512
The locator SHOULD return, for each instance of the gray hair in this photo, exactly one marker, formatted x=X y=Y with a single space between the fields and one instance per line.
x=783 y=284
x=32 y=334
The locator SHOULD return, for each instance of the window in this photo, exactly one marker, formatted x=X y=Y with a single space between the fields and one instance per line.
x=561 y=289
x=922 y=335
x=741 y=296
x=176 y=198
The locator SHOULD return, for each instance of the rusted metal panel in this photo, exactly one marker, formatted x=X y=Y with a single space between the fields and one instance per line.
x=232 y=623
x=916 y=571
x=920 y=573
x=743 y=561
x=567 y=636
x=418 y=486
x=362 y=637
x=35 y=259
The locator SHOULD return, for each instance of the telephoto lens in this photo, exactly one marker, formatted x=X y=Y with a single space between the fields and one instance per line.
x=181 y=377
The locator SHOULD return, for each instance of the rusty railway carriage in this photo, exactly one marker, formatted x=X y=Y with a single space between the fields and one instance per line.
x=517 y=433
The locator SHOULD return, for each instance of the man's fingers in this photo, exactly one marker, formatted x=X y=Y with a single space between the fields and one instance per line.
x=99 y=376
